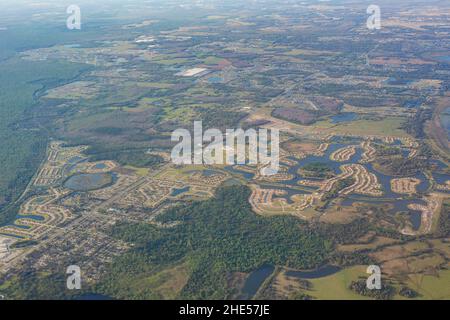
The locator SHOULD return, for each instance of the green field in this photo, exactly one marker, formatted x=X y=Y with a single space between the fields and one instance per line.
x=431 y=287
x=389 y=126
x=336 y=286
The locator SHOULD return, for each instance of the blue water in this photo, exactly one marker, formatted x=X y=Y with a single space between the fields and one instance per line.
x=439 y=165
x=445 y=59
x=439 y=173
x=20 y=226
x=74 y=160
x=396 y=200
x=215 y=80
x=413 y=103
x=176 y=192
x=254 y=281
x=335 y=166
x=441 y=178
x=344 y=117
x=100 y=166
x=32 y=217
x=12 y=235
x=246 y=175
x=86 y=181
x=398 y=82
x=398 y=205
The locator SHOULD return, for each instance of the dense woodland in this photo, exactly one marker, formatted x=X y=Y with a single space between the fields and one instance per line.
x=443 y=226
x=219 y=236
x=22 y=147
x=415 y=125
x=135 y=158
x=317 y=170
x=386 y=292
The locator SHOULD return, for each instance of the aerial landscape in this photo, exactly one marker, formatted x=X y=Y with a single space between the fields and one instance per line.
x=88 y=178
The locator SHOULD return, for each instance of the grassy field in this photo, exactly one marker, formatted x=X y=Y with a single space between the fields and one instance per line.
x=139 y=171
x=165 y=284
x=335 y=287
x=389 y=126
x=431 y=287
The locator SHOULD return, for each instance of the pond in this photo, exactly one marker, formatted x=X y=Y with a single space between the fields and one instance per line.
x=176 y=192
x=246 y=175
x=398 y=81
x=255 y=280
x=398 y=205
x=344 y=117
x=88 y=181
x=215 y=80
x=443 y=58
x=413 y=103
x=100 y=166
x=32 y=217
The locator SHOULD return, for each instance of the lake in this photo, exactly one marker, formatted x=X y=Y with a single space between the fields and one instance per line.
x=344 y=117
x=176 y=192
x=255 y=280
x=443 y=58
x=88 y=181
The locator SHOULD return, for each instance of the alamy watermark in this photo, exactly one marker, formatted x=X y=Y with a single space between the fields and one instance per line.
x=235 y=147
x=374 y=280
x=74 y=20
x=74 y=280
x=374 y=20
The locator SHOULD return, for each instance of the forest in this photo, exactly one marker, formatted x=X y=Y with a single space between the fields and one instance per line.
x=22 y=149
x=219 y=236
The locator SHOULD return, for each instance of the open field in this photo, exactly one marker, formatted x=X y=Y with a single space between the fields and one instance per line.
x=335 y=287
x=385 y=127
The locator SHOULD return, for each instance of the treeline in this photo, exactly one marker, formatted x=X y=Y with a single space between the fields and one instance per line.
x=22 y=140
x=408 y=292
x=383 y=150
x=24 y=174
x=133 y=158
x=31 y=285
x=443 y=225
x=220 y=235
x=220 y=119
x=317 y=170
x=346 y=259
x=338 y=186
x=344 y=233
x=399 y=166
x=386 y=292
x=415 y=125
